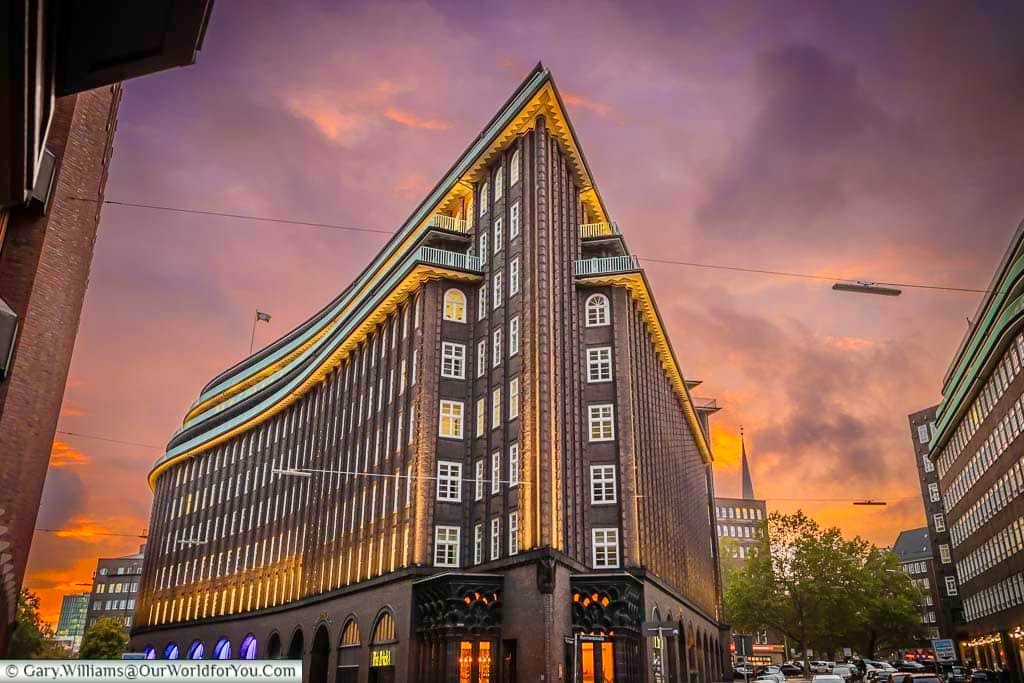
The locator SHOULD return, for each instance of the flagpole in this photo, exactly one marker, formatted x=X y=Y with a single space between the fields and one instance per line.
x=252 y=339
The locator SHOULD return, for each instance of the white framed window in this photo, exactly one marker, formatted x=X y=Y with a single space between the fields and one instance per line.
x=605 y=548
x=453 y=360
x=602 y=422
x=446 y=546
x=498 y=292
x=481 y=302
x=483 y=248
x=478 y=480
x=602 y=484
x=513 y=532
x=597 y=310
x=495 y=538
x=940 y=521
x=513 y=398
x=951 y=585
x=478 y=543
x=927 y=463
x=483 y=198
x=450 y=419
x=496 y=408
x=481 y=357
x=496 y=350
x=499 y=234
x=513 y=168
x=481 y=417
x=449 y=481
x=933 y=492
x=513 y=277
x=513 y=464
x=495 y=472
x=454 y=306
x=513 y=221
x=944 y=554
x=599 y=364
x=513 y=336
x=922 y=434
x=499 y=184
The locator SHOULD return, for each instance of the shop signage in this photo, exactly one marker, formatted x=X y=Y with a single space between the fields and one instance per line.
x=381 y=658
x=585 y=638
x=769 y=648
x=944 y=650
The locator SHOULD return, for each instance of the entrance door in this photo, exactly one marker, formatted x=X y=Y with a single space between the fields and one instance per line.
x=476 y=661
x=382 y=674
x=597 y=662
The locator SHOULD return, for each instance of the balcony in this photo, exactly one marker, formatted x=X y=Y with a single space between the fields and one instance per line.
x=607 y=265
x=448 y=259
x=593 y=231
x=449 y=223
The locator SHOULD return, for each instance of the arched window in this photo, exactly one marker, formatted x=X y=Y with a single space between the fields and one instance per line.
x=499 y=184
x=248 y=648
x=513 y=168
x=222 y=650
x=455 y=306
x=171 y=651
x=597 y=310
x=196 y=650
x=350 y=634
x=149 y=651
x=483 y=198
x=384 y=631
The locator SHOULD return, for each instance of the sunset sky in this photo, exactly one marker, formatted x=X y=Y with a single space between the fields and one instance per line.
x=879 y=141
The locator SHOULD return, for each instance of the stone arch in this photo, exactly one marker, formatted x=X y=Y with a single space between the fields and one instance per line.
x=319 y=653
x=196 y=650
x=274 y=646
x=247 y=649
x=222 y=650
x=171 y=651
x=384 y=629
x=297 y=645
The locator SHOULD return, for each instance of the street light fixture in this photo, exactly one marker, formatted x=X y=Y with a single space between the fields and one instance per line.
x=861 y=287
x=302 y=474
x=869 y=501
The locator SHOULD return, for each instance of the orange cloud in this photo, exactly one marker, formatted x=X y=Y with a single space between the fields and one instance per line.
x=71 y=412
x=412 y=186
x=599 y=108
x=331 y=122
x=63 y=454
x=725 y=444
x=94 y=531
x=408 y=118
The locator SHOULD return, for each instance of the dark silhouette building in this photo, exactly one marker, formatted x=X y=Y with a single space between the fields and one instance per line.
x=480 y=461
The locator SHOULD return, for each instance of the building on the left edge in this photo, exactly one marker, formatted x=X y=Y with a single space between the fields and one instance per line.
x=115 y=585
x=71 y=623
x=59 y=84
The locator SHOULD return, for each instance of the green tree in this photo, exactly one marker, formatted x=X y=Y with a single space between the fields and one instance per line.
x=106 y=639
x=32 y=637
x=888 y=612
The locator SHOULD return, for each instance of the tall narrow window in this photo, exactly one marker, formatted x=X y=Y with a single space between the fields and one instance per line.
x=513 y=398
x=951 y=585
x=513 y=277
x=478 y=481
x=481 y=302
x=513 y=464
x=478 y=543
x=597 y=310
x=513 y=336
x=933 y=492
x=453 y=360
x=513 y=168
x=481 y=357
x=496 y=350
x=513 y=221
x=499 y=236
x=606 y=548
x=944 y=553
x=454 y=306
x=483 y=248
x=446 y=546
x=513 y=532
x=940 y=521
x=499 y=291
x=450 y=419
x=483 y=198
x=599 y=364
x=496 y=408
x=602 y=484
x=481 y=417
x=449 y=481
x=495 y=472
x=601 y=418
x=499 y=184
x=495 y=538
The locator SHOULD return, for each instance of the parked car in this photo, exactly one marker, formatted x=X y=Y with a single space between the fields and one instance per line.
x=955 y=674
x=826 y=678
x=878 y=664
x=791 y=669
x=984 y=676
x=773 y=673
x=922 y=678
x=910 y=666
x=878 y=675
x=821 y=667
x=844 y=671
x=742 y=671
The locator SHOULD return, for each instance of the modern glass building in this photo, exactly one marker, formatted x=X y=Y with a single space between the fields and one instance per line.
x=977 y=454
x=71 y=623
x=481 y=461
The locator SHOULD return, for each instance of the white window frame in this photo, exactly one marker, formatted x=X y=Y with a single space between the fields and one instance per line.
x=481 y=417
x=596 y=364
x=514 y=168
x=483 y=248
x=951 y=588
x=499 y=234
x=497 y=290
x=455 y=411
x=922 y=434
x=603 y=485
x=944 y=554
x=483 y=198
x=495 y=472
x=499 y=184
x=599 y=305
x=513 y=464
x=514 y=219
x=513 y=277
x=939 y=520
x=513 y=336
x=496 y=349
x=481 y=357
x=933 y=492
x=513 y=398
x=495 y=538
x=481 y=302
x=478 y=481
x=453 y=314
x=453 y=360
x=478 y=543
x=496 y=408
x=444 y=546
x=513 y=532
x=596 y=417
x=449 y=481
x=605 y=548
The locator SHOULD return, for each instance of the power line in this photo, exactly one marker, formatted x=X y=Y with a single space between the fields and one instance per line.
x=689 y=264
x=104 y=438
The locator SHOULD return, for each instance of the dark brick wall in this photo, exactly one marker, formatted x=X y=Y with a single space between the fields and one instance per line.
x=44 y=272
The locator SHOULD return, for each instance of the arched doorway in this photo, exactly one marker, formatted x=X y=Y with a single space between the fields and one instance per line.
x=274 y=646
x=298 y=645
x=150 y=652
x=196 y=650
x=222 y=650
x=171 y=651
x=383 y=646
x=247 y=650
x=318 y=655
x=348 y=653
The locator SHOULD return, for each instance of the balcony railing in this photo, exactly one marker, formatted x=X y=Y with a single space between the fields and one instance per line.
x=606 y=265
x=449 y=223
x=594 y=230
x=448 y=259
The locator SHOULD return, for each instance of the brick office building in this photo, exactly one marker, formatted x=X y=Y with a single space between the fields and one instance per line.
x=977 y=453
x=59 y=88
x=480 y=461
x=949 y=616
x=913 y=548
x=115 y=585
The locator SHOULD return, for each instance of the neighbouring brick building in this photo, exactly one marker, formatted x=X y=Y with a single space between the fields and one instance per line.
x=480 y=462
x=114 y=588
x=977 y=452
x=60 y=93
x=913 y=549
x=949 y=615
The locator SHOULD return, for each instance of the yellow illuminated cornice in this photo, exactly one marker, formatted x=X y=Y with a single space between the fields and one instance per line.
x=545 y=102
x=636 y=285
x=402 y=291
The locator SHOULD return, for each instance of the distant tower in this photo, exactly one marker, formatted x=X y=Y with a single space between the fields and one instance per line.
x=748 y=482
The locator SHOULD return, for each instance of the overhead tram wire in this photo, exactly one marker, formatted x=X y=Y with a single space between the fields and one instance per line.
x=688 y=264
x=104 y=438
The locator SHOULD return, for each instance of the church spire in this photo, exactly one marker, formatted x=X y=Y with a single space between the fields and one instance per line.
x=748 y=482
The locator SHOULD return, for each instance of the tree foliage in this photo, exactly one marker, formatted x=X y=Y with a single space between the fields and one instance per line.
x=824 y=592
x=32 y=637
x=106 y=639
